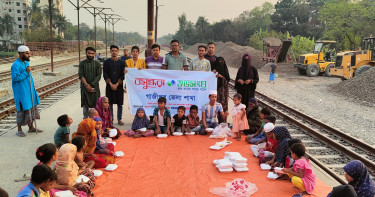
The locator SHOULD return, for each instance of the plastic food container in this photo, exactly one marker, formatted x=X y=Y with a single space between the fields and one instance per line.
x=272 y=176
x=243 y=169
x=214 y=147
x=111 y=167
x=82 y=179
x=279 y=170
x=233 y=154
x=178 y=134
x=112 y=133
x=239 y=165
x=225 y=170
x=143 y=129
x=191 y=133
x=218 y=161
x=119 y=154
x=265 y=166
x=162 y=136
x=66 y=193
x=209 y=130
x=97 y=173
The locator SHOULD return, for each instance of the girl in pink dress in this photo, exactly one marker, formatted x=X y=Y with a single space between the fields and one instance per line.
x=239 y=117
x=302 y=175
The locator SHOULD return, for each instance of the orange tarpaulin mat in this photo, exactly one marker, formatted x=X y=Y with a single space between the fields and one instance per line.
x=183 y=166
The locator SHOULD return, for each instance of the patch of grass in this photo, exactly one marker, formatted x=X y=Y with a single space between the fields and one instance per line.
x=7 y=54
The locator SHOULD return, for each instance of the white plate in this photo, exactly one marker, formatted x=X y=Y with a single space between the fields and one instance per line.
x=265 y=166
x=178 y=134
x=112 y=133
x=97 y=173
x=215 y=147
x=191 y=133
x=162 y=136
x=114 y=143
x=66 y=193
x=119 y=154
x=279 y=170
x=243 y=169
x=82 y=179
x=225 y=170
x=272 y=176
x=111 y=167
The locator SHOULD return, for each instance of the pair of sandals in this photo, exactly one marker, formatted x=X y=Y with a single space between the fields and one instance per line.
x=22 y=134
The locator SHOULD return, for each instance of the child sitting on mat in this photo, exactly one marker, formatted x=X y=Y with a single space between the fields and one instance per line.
x=260 y=135
x=179 y=120
x=302 y=175
x=93 y=113
x=193 y=124
x=42 y=177
x=102 y=146
x=62 y=133
x=141 y=125
x=162 y=117
x=210 y=112
x=239 y=117
x=80 y=143
x=270 y=146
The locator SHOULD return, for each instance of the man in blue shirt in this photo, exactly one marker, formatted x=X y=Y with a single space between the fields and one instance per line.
x=25 y=96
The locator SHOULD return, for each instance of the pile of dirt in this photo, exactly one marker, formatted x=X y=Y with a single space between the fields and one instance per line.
x=233 y=53
x=272 y=41
x=283 y=69
x=361 y=88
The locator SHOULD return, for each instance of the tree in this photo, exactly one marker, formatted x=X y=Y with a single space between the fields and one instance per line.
x=202 y=27
x=8 y=22
x=180 y=34
x=2 y=27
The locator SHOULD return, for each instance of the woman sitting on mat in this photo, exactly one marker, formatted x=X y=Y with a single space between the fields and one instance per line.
x=102 y=107
x=357 y=175
x=140 y=122
x=282 y=136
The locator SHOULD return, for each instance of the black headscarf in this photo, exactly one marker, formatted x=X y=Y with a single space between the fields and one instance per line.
x=362 y=183
x=282 y=136
x=221 y=67
x=246 y=67
x=343 y=191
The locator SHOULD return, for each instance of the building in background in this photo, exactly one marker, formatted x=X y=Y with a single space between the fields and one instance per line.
x=18 y=10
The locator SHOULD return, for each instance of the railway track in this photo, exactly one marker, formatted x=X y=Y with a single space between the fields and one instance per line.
x=48 y=95
x=5 y=76
x=327 y=147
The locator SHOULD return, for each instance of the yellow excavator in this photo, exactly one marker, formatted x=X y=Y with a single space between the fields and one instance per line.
x=353 y=63
x=319 y=61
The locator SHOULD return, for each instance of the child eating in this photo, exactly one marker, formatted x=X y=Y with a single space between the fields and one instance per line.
x=239 y=117
x=141 y=125
x=193 y=124
x=81 y=144
x=210 y=112
x=179 y=120
x=62 y=133
x=302 y=175
x=102 y=147
x=271 y=145
x=162 y=117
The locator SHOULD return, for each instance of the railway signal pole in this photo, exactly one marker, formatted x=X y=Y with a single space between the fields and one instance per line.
x=106 y=18
x=156 y=20
x=96 y=11
x=114 y=21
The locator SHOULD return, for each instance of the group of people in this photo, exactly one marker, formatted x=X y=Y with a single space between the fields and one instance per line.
x=91 y=147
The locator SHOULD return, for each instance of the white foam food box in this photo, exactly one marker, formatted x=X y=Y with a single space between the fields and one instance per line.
x=265 y=166
x=224 y=164
x=114 y=143
x=218 y=161
x=66 y=193
x=119 y=154
x=233 y=154
x=191 y=133
x=272 y=176
x=279 y=170
x=112 y=133
x=225 y=170
x=209 y=130
x=178 y=134
x=214 y=147
x=243 y=169
x=239 y=165
x=143 y=129
x=82 y=179
x=111 y=167
x=162 y=136
x=97 y=173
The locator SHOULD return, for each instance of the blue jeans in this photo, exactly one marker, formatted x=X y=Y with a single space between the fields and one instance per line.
x=209 y=125
x=119 y=112
x=257 y=138
x=163 y=129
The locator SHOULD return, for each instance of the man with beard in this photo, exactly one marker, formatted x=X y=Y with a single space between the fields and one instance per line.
x=89 y=73
x=211 y=47
x=25 y=96
x=113 y=73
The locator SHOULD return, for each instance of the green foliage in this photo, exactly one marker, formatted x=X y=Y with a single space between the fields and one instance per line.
x=301 y=45
x=40 y=35
x=7 y=54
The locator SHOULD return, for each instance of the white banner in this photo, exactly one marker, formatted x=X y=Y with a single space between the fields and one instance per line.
x=180 y=88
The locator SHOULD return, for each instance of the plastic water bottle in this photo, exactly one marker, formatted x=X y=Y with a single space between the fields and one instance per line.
x=261 y=156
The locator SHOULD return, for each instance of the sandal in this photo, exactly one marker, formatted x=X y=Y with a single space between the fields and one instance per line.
x=20 y=134
x=34 y=130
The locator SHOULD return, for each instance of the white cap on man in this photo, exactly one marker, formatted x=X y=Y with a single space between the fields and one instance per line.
x=268 y=127
x=23 y=49
x=211 y=92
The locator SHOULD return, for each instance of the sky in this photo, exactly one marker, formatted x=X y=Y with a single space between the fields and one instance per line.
x=135 y=12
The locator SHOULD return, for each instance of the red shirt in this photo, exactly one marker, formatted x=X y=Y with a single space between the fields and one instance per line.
x=271 y=145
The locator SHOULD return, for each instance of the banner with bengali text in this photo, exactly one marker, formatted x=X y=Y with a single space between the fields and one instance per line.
x=180 y=88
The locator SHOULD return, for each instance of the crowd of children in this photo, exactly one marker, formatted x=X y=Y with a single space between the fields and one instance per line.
x=61 y=163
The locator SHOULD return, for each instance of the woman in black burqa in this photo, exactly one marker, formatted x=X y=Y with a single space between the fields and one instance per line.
x=247 y=79
x=222 y=84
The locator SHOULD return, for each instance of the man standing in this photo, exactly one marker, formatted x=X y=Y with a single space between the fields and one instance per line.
x=210 y=53
x=113 y=73
x=126 y=55
x=89 y=72
x=155 y=61
x=175 y=60
x=200 y=64
x=135 y=62
x=25 y=96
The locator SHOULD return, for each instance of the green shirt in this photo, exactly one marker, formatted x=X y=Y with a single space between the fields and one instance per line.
x=175 y=63
x=92 y=72
x=60 y=136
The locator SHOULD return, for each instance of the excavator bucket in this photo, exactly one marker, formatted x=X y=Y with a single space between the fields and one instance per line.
x=282 y=53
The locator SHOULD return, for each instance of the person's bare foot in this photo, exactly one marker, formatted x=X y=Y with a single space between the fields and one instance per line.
x=137 y=135
x=120 y=122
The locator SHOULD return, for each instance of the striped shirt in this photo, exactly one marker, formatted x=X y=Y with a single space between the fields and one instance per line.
x=154 y=64
x=211 y=111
